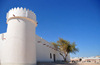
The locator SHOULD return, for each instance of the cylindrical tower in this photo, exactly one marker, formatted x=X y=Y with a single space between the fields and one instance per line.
x=19 y=48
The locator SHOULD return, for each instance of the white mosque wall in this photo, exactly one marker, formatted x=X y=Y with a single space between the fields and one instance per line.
x=19 y=47
x=43 y=52
x=0 y=46
x=2 y=40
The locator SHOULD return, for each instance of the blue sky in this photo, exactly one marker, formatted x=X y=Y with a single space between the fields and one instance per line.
x=74 y=20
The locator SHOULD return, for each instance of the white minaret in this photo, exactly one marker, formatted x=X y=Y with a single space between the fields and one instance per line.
x=19 y=48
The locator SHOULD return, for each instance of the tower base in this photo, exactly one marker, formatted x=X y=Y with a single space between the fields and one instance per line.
x=17 y=64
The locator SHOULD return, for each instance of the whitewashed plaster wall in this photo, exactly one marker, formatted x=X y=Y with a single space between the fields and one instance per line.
x=0 y=46
x=43 y=52
x=19 y=47
x=2 y=41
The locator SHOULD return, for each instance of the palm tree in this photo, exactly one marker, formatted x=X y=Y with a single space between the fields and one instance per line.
x=65 y=47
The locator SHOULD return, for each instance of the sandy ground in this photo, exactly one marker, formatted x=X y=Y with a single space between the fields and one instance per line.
x=67 y=64
x=88 y=64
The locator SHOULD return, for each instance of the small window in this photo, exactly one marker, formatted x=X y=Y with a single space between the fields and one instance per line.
x=50 y=56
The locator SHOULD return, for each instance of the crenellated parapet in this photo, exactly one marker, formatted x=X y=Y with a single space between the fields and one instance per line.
x=21 y=13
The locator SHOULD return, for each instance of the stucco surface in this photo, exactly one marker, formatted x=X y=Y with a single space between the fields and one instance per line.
x=19 y=45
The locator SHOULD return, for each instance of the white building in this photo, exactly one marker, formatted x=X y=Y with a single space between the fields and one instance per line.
x=20 y=45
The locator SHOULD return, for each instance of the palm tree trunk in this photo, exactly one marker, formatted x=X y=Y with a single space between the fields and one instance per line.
x=65 y=57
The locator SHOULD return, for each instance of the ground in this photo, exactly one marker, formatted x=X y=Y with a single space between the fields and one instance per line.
x=44 y=63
